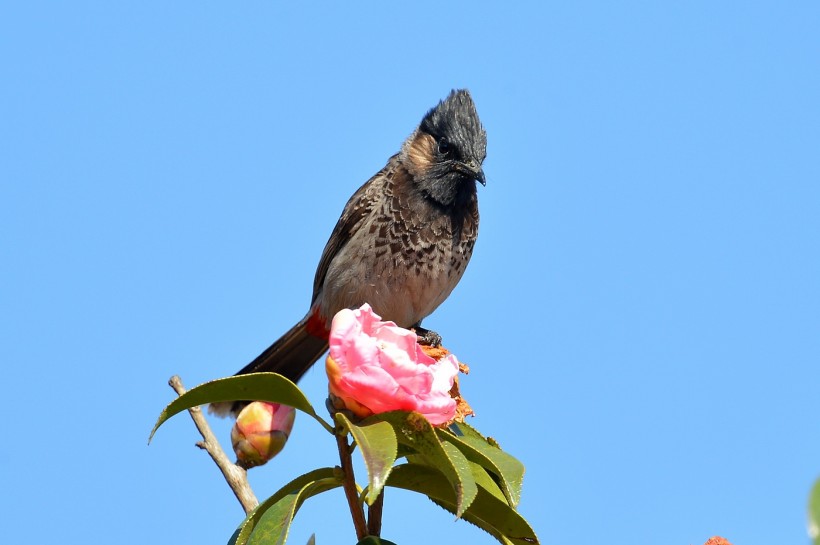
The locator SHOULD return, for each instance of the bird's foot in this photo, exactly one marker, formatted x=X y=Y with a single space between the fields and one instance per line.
x=426 y=336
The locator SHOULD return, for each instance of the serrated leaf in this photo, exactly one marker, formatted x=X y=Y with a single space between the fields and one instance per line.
x=479 y=449
x=327 y=475
x=404 y=450
x=465 y=476
x=814 y=513
x=270 y=387
x=274 y=525
x=414 y=431
x=488 y=512
x=485 y=481
x=462 y=467
x=232 y=540
x=379 y=447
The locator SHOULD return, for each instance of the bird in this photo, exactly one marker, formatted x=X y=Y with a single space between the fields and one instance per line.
x=402 y=242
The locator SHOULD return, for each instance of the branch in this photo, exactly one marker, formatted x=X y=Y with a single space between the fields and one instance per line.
x=374 y=516
x=350 y=487
x=236 y=477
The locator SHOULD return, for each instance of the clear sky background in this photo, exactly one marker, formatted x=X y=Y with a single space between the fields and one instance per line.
x=641 y=315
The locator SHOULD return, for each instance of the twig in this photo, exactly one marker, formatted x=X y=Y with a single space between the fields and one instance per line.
x=236 y=477
x=350 y=487
x=374 y=516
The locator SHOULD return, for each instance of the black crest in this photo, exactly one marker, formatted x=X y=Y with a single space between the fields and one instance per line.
x=455 y=119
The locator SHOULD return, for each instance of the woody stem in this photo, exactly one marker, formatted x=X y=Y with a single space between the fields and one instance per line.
x=349 y=485
x=374 y=516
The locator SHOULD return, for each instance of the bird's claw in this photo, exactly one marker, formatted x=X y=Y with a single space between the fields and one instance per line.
x=427 y=337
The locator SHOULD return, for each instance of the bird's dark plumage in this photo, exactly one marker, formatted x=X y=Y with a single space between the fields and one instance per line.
x=402 y=242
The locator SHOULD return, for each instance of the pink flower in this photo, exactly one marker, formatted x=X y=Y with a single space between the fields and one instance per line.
x=376 y=366
x=260 y=432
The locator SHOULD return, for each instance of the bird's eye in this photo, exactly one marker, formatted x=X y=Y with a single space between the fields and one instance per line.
x=444 y=146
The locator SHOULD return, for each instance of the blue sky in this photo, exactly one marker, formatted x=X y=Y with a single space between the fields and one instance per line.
x=640 y=315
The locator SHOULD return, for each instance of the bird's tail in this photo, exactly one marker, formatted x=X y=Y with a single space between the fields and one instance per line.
x=292 y=355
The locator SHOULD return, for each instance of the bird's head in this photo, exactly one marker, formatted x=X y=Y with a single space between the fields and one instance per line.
x=446 y=152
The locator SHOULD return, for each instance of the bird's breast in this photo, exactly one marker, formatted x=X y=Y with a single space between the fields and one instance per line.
x=400 y=262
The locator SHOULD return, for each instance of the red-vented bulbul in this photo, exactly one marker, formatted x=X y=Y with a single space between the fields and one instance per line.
x=402 y=242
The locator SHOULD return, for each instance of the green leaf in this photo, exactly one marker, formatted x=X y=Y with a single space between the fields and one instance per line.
x=487 y=454
x=814 y=513
x=379 y=447
x=485 y=481
x=414 y=431
x=234 y=537
x=286 y=501
x=312 y=540
x=488 y=512
x=274 y=525
x=269 y=387
x=465 y=476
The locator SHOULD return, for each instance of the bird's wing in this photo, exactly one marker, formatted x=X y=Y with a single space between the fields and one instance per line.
x=360 y=205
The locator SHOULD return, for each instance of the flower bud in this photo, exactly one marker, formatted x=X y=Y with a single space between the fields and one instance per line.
x=260 y=432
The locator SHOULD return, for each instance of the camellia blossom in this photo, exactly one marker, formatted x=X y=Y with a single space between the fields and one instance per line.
x=260 y=432
x=376 y=366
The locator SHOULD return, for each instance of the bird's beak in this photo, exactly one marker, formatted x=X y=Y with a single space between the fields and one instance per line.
x=480 y=177
x=476 y=172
